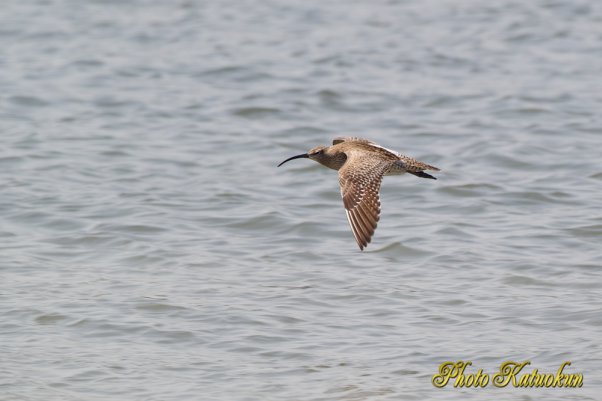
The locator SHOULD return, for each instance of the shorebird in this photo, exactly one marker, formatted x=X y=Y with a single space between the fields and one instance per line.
x=362 y=164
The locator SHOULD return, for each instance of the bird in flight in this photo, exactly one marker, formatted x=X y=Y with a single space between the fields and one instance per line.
x=362 y=164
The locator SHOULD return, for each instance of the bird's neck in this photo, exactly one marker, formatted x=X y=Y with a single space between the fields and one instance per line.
x=334 y=162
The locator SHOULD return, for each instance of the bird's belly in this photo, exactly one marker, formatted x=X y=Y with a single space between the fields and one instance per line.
x=396 y=169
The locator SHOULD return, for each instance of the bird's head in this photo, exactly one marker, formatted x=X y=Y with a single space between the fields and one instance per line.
x=318 y=154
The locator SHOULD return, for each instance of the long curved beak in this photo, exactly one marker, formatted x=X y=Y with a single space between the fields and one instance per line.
x=304 y=155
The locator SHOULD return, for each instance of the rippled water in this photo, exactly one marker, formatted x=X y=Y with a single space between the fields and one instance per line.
x=151 y=250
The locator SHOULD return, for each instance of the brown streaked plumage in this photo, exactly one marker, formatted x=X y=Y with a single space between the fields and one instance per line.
x=362 y=165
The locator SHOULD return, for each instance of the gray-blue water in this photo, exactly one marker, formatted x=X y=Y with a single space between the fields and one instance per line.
x=151 y=250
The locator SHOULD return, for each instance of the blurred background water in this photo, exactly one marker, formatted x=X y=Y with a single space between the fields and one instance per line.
x=151 y=250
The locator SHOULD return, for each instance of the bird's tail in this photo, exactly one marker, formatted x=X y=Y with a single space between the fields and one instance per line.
x=422 y=174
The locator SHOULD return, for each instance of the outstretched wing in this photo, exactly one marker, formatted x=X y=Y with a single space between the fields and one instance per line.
x=340 y=139
x=360 y=179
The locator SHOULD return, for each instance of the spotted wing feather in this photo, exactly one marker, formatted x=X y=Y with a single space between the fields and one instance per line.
x=360 y=180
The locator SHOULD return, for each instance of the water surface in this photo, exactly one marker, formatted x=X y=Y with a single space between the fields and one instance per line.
x=151 y=250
